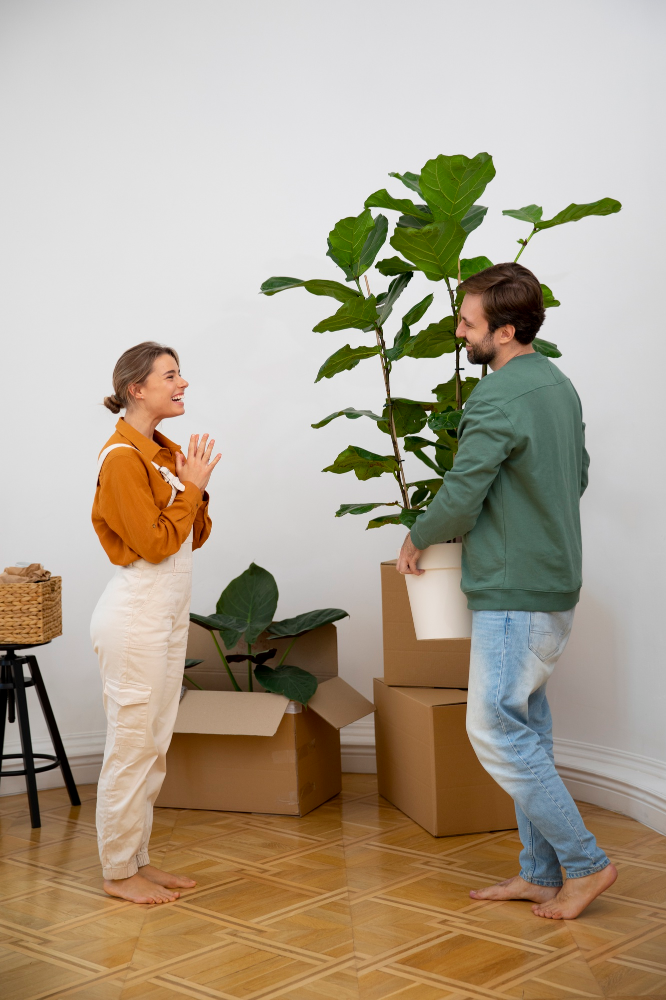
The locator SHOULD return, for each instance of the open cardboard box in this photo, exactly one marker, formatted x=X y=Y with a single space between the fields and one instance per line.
x=259 y=752
x=427 y=767
x=412 y=662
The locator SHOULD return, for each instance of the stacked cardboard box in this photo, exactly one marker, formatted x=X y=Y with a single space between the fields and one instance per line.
x=425 y=763
x=259 y=752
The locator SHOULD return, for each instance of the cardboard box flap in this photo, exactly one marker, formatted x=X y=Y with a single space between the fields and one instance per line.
x=337 y=703
x=432 y=697
x=231 y=713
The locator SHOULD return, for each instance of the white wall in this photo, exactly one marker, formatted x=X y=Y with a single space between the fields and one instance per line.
x=162 y=157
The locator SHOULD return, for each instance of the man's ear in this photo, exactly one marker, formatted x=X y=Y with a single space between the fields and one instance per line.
x=506 y=333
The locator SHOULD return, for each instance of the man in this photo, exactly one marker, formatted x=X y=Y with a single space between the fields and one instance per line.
x=513 y=494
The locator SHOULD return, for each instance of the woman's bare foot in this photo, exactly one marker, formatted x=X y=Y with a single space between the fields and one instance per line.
x=138 y=889
x=517 y=888
x=576 y=894
x=166 y=879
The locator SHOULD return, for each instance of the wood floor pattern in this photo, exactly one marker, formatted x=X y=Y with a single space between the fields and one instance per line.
x=353 y=902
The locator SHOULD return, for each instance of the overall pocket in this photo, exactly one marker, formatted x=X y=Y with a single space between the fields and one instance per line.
x=127 y=712
x=549 y=633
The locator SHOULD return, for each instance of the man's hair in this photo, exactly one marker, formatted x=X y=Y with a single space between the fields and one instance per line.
x=510 y=296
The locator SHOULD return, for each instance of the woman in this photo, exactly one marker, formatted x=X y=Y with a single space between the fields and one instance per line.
x=150 y=512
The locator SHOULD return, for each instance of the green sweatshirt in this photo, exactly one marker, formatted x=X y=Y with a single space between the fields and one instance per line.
x=514 y=490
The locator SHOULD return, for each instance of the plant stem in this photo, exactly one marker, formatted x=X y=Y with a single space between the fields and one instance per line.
x=386 y=370
x=484 y=371
x=525 y=242
x=287 y=651
x=187 y=678
x=249 y=668
x=459 y=401
x=224 y=660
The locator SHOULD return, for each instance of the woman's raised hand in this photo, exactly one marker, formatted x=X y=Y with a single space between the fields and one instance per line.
x=198 y=465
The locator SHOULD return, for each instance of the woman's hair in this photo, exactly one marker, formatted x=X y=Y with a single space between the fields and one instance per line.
x=132 y=368
x=510 y=295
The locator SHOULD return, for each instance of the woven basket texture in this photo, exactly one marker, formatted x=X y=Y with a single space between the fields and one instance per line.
x=31 y=612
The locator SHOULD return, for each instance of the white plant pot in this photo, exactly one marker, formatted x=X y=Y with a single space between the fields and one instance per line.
x=439 y=607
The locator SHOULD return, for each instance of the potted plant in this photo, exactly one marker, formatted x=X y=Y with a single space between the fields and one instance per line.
x=245 y=611
x=429 y=236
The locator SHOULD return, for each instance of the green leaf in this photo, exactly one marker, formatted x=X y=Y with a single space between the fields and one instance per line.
x=445 y=392
x=394 y=265
x=192 y=663
x=432 y=485
x=382 y=199
x=418 y=496
x=360 y=508
x=350 y=413
x=401 y=340
x=472 y=265
x=408 y=417
x=435 y=340
x=574 y=213
x=530 y=213
x=379 y=522
x=546 y=347
x=431 y=465
x=316 y=286
x=366 y=464
x=228 y=626
x=274 y=285
x=344 y=359
x=308 y=622
x=418 y=311
x=373 y=244
x=416 y=443
x=549 y=300
x=395 y=290
x=413 y=222
x=448 y=420
x=473 y=218
x=251 y=597
x=292 y=682
x=347 y=239
x=410 y=180
x=451 y=184
x=408 y=517
x=434 y=249
x=355 y=314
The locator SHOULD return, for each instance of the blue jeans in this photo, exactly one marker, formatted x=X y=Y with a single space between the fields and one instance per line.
x=510 y=727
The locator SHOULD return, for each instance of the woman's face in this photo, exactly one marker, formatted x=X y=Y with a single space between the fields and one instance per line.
x=161 y=394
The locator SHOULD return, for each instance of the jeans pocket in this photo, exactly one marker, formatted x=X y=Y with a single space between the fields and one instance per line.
x=127 y=712
x=549 y=633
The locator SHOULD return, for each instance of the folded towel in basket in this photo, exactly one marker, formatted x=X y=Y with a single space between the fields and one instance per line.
x=34 y=573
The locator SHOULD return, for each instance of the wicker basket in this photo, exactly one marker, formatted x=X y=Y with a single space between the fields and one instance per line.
x=30 y=612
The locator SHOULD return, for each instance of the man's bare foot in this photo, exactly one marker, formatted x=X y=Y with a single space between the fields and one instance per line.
x=576 y=894
x=166 y=879
x=138 y=889
x=517 y=888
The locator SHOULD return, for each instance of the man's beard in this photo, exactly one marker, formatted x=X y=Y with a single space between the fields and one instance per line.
x=483 y=353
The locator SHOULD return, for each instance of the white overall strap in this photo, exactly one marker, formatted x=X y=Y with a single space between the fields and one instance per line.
x=168 y=476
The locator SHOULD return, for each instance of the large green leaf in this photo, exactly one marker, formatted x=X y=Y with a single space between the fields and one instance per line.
x=402 y=338
x=472 y=265
x=434 y=249
x=292 y=682
x=350 y=413
x=373 y=244
x=410 y=180
x=355 y=314
x=192 y=663
x=530 y=213
x=435 y=340
x=379 y=522
x=230 y=627
x=413 y=221
x=382 y=199
x=308 y=622
x=546 y=347
x=418 y=311
x=408 y=517
x=549 y=300
x=574 y=213
x=360 y=508
x=316 y=286
x=394 y=265
x=417 y=443
x=395 y=290
x=366 y=464
x=473 y=218
x=408 y=416
x=448 y=420
x=451 y=184
x=252 y=598
x=344 y=359
x=445 y=392
x=347 y=239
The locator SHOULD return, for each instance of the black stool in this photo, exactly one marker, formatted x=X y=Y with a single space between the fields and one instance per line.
x=12 y=703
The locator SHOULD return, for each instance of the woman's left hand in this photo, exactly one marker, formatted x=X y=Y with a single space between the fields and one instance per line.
x=198 y=466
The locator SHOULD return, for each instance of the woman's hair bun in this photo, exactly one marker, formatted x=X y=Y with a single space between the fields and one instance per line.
x=113 y=403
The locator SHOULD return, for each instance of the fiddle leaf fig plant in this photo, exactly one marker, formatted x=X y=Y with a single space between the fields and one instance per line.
x=244 y=611
x=429 y=236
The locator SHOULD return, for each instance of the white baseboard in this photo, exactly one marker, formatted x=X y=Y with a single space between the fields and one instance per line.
x=357 y=747
x=84 y=753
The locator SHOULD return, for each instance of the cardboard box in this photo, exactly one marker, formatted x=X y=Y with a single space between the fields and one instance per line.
x=254 y=751
x=411 y=662
x=426 y=765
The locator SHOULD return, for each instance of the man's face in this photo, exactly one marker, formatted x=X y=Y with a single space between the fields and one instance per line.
x=473 y=329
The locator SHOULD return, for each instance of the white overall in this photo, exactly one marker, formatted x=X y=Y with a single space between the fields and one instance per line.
x=139 y=631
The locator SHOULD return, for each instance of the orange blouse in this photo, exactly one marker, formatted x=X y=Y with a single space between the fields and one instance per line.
x=130 y=513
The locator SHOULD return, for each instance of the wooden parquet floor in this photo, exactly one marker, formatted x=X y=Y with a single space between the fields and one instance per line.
x=353 y=902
